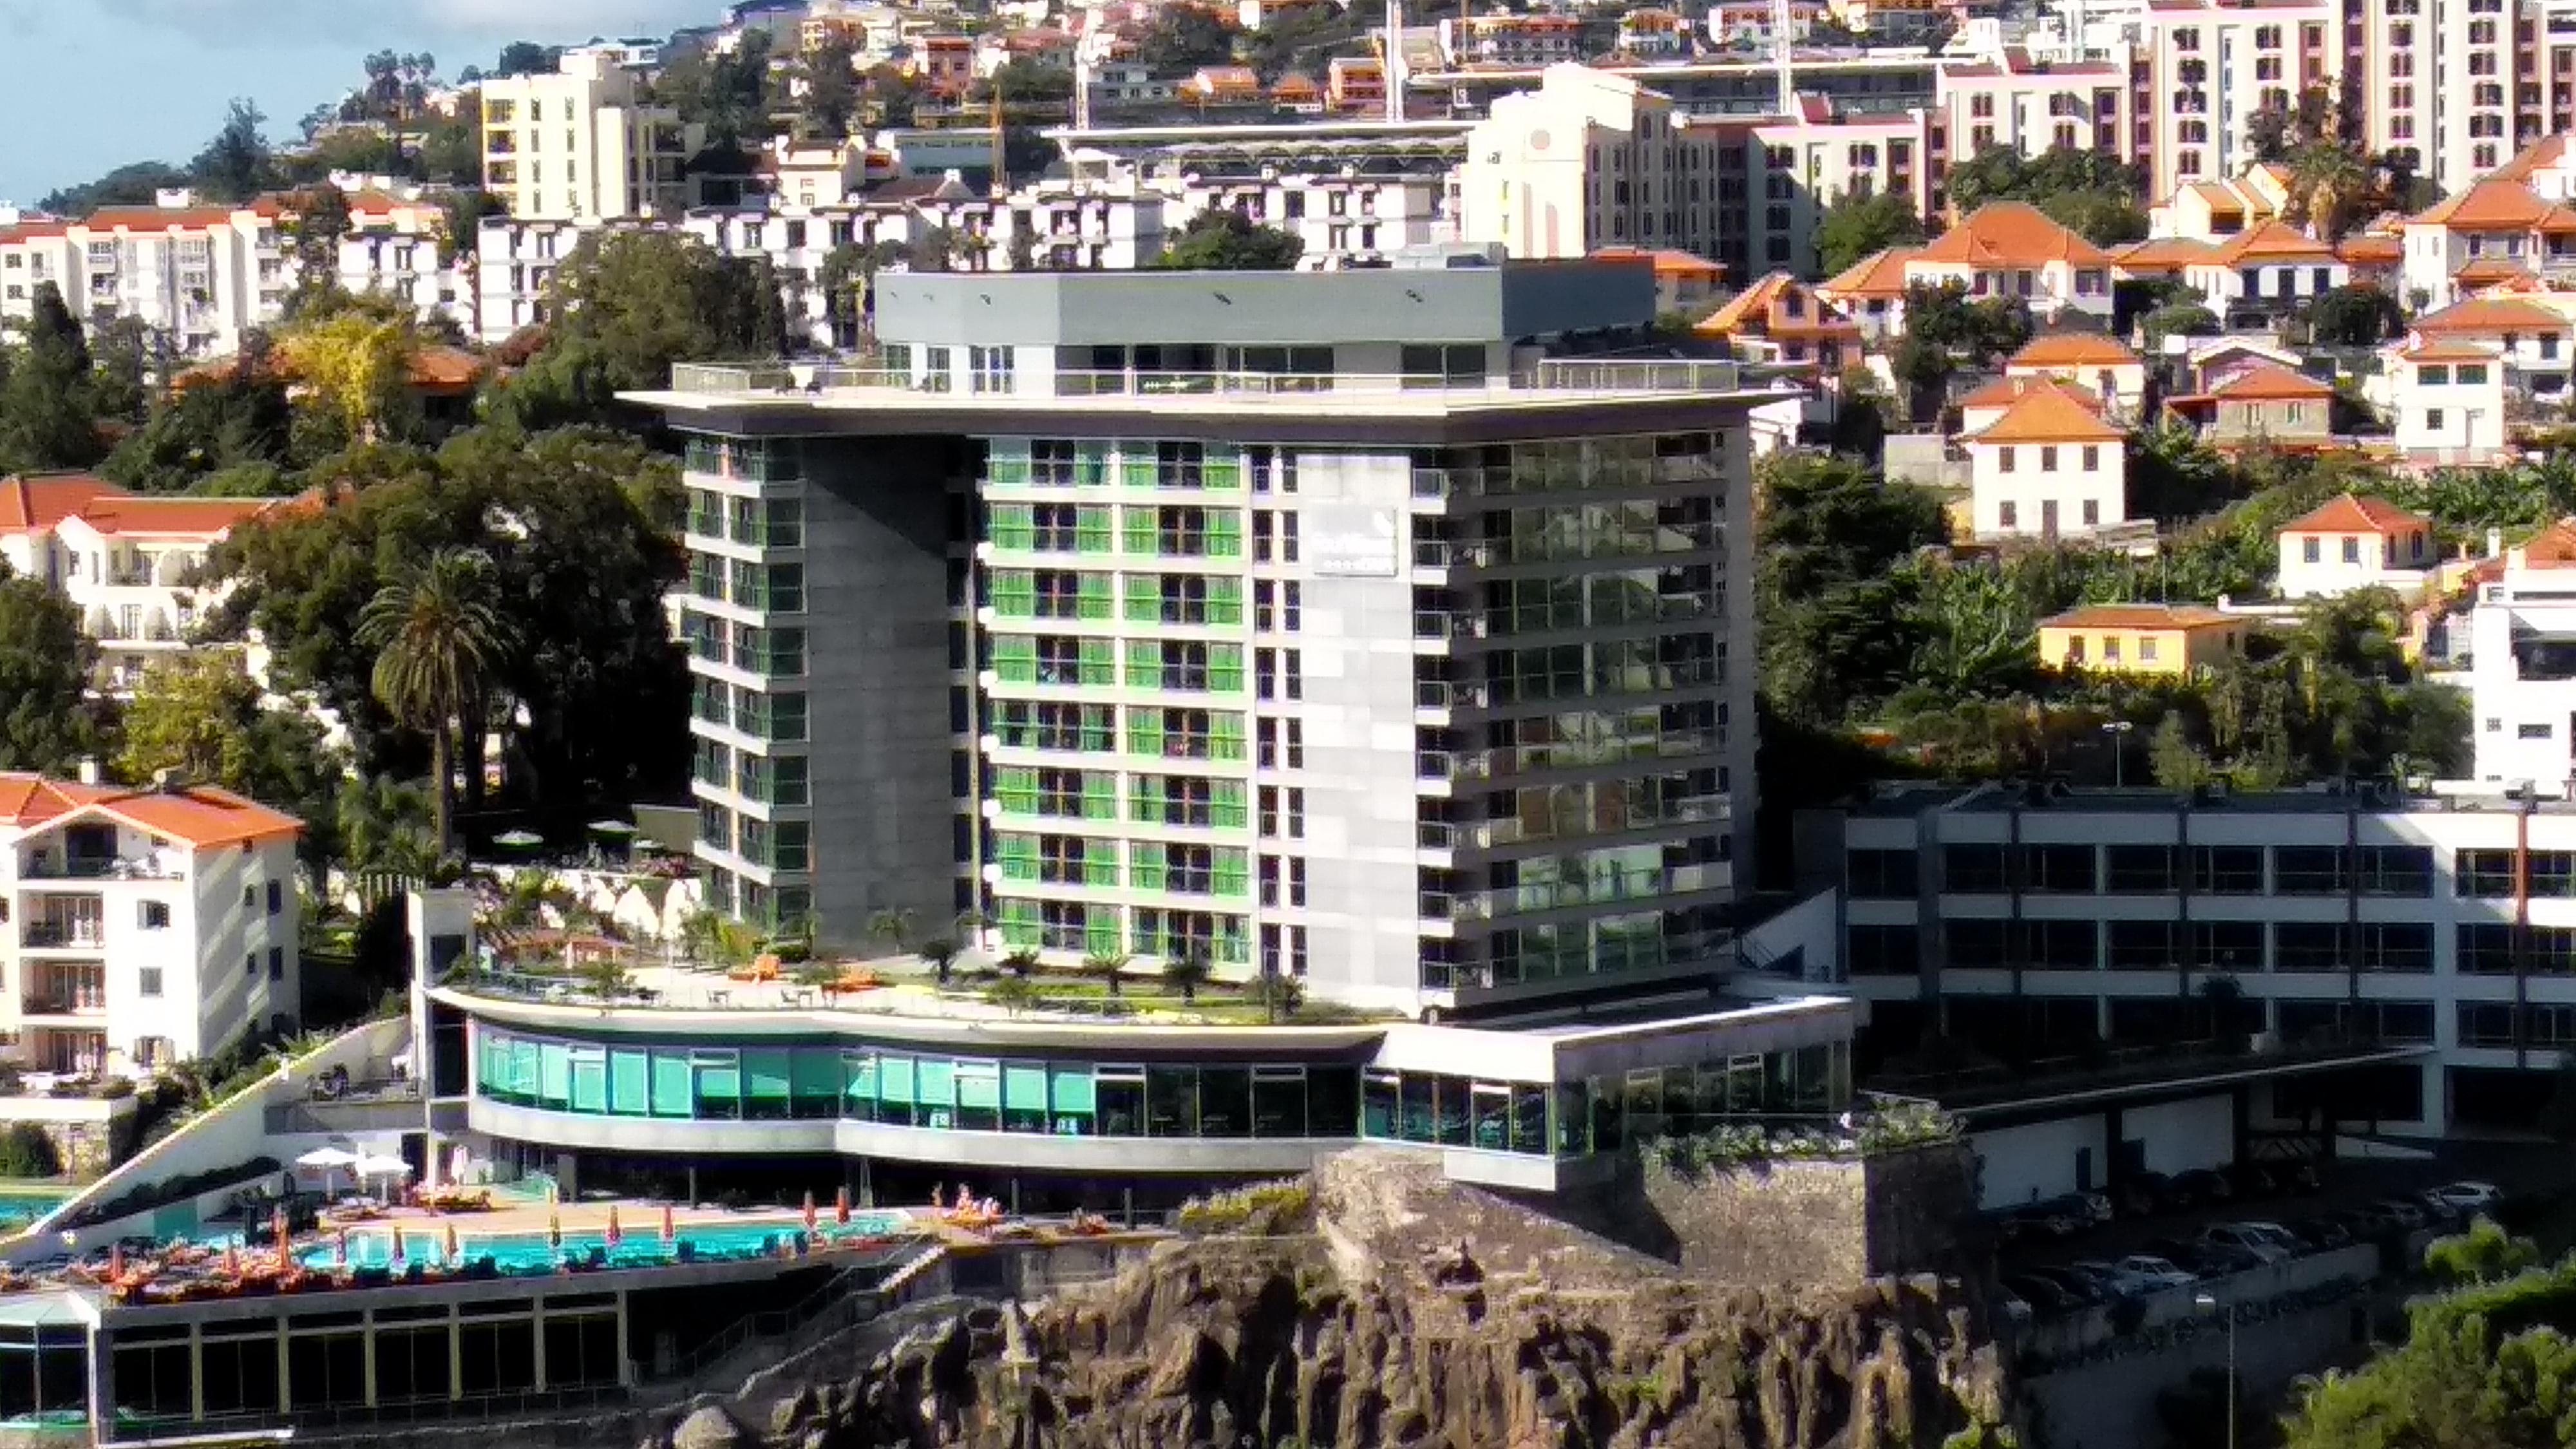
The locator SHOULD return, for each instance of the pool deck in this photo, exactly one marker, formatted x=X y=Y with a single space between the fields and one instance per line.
x=636 y=1219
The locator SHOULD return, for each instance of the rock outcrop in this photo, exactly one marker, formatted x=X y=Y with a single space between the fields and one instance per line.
x=1416 y=1314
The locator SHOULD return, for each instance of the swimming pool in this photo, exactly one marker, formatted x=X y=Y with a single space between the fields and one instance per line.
x=519 y=1253
x=20 y=1206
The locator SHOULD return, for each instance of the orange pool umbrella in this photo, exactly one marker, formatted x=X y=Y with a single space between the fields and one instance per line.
x=285 y=1239
x=115 y=1261
x=451 y=1243
x=809 y=1212
x=614 y=1235
x=668 y=1231
x=841 y=1205
x=232 y=1260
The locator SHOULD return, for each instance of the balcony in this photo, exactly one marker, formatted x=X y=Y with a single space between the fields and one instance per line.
x=1554 y=380
x=99 y=867
x=84 y=934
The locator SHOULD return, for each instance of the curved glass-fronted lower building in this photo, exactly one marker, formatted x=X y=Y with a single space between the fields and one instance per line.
x=1052 y=1114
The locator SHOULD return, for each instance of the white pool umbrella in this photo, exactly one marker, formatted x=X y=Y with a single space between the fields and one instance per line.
x=327 y=1160
x=373 y=1166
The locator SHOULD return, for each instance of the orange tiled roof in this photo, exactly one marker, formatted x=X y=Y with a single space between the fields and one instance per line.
x=2540 y=155
x=1758 y=308
x=1880 y=274
x=2488 y=205
x=197 y=815
x=128 y=516
x=2047 y=415
x=2164 y=254
x=2271 y=382
x=1668 y=261
x=2270 y=240
x=2356 y=513
x=2486 y=271
x=2073 y=349
x=2139 y=616
x=45 y=499
x=2011 y=234
x=2442 y=351
x=2482 y=315
x=2007 y=390
x=2372 y=250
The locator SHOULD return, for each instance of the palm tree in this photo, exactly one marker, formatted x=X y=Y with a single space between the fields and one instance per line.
x=940 y=955
x=1107 y=965
x=893 y=925
x=1187 y=969
x=438 y=642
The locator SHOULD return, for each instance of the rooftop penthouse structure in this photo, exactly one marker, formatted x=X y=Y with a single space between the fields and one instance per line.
x=1336 y=627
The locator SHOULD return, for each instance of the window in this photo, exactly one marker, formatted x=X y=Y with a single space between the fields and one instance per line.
x=152 y=915
x=2141 y=869
x=2228 y=945
x=2483 y=874
x=1883 y=951
x=2308 y=870
x=2396 y=870
x=1881 y=874
x=1973 y=869
x=2004 y=459
x=2433 y=419
x=2307 y=946
x=147 y=982
x=2352 y=550
x=2048 y=458
x=2227 y=870
x=2532 y=731
x=276 y=897
x=2059 y=868
x=2311 y=550
x=2006 y=514
x=2092 y=464
x=2143 y=946
x=277 y=963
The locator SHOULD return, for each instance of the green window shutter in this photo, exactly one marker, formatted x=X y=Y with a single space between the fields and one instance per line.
x=1224 y=533
x=1091 y=532
x=1225 y=601
x=1144 y=599
x=979 y=1085
x=1013 y=526
x=1072 y=1086
x=672 y=1096
x=764 y=1071
x=1017 y=788
x=858 y=1084
x=1145 y=798
x=1100 y=930
x=1099 y=795
x=1232 y=949
x=630 y=1081
x=1008 y=464
x=590 y=1083
x=1099 y=661
x=554 y=1073
x=1225 y=804
x=1144 y=664
x=894 y=1079
x=1221 y=474
x=1024 y=1087
x=1015 y=658
x=1141 y=525
x=1100 y=863
x=1018 y=855
x=1225 y=668
x=1015 y=593
x=1099 y=728
x=1139 y=472
x=1225 y=736
x=814 y=1074
x=1092 y=601
x=934 y=1083
x=1145 y=865
x=1019 y=920
x=1090 y=464
x=1145 y=731
x=1233 y=873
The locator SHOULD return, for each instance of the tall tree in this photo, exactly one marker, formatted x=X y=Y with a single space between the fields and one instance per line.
x=47 y=722
x=831 y=98
x=1859 y=224
x=1184 y=37
x=47 y=412
x=236 y=164
x=440 y=640
x=201 y=712
x=1225 y=240
x=321 y=219
x=625 y=306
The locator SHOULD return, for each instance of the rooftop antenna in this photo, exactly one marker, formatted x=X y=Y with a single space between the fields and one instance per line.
x=1394 y=67
x=1081 y=87
x=1783 y=59
x=1001 y=183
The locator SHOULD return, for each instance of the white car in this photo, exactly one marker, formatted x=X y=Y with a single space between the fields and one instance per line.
x=2468 y=1199
x=2245 y=1239
x=2157 y=1272
x=2287 y=1241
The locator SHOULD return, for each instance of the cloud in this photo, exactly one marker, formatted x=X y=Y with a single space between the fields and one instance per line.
x=252 y=24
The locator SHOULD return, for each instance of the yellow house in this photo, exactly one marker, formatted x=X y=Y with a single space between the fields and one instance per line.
x=2177 y=639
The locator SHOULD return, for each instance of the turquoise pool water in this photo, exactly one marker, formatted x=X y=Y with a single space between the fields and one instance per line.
x=533 y=1253
x=21 y=1206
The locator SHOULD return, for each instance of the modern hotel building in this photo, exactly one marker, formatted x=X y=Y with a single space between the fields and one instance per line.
x=1354 y=639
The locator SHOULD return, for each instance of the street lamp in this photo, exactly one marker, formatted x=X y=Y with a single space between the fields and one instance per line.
x=2207 y=1304
x=2118 y=730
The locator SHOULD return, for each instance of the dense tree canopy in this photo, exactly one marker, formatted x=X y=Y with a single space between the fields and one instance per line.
x=628 y=304
x=1185 y=37
x=1228 y=241
x=200 y=713
x=2092 y=193
x=578 y=526
x=47 y=721
x=1861 y=223
x=48 y=415
x=2488 y=1365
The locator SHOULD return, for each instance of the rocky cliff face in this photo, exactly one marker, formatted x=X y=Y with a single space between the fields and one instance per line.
x=1416 y=1315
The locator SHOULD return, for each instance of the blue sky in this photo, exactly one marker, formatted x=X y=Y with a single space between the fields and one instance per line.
x=92 y=84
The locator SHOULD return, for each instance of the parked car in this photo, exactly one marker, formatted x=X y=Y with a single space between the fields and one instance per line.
x=2468 y=1198
x=2042 y=1295
x=2243 y=1239
x=2326 y=1233
x=2043 y=1220
x=2112 y=1279
x=2078 y=1287
x=2289 y=1241
x=2439 y=1212
x=2205 y=1185
x=2366 y=1222
x=2093 y=1207
x=2217 y=1260
x=2408 y=1215
x=2144 y=1194
x=2158 y=1271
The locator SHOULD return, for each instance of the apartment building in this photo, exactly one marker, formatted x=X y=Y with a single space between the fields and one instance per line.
x=145 y=927
x=1590 y=159
x=2464 y=84
x=2498 y=219
x=1349 y=639
x=202 y=275
x=581 y=144
x=2522 y=663
x=2205 y=68
x=2440 y=928
x=2049 y=467
x=410 y=267
x=1531 y=41
x=2020 y=103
